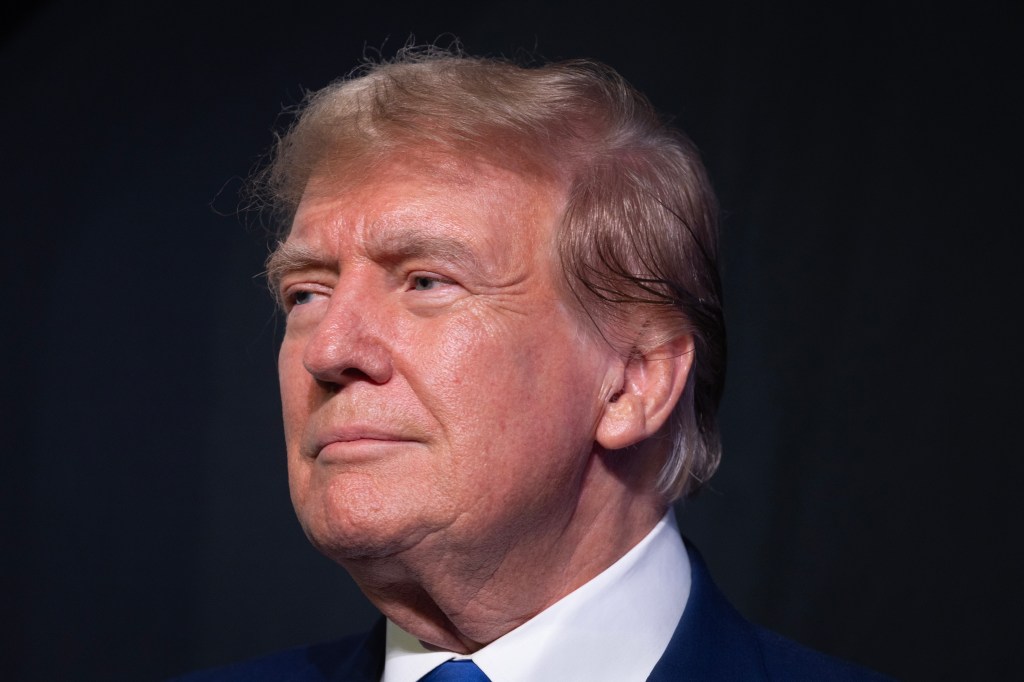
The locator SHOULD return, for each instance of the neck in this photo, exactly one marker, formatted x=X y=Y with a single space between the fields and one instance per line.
x=461 y=595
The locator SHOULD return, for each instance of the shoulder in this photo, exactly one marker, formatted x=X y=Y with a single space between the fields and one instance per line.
x=784 y=659
x=359 y=657
x=714 y=642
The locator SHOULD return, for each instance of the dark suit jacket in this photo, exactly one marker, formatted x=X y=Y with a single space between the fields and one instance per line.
x=712 y=642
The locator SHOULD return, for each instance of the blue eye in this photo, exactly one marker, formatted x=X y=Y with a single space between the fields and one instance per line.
x=424 y=283
x=301 y=297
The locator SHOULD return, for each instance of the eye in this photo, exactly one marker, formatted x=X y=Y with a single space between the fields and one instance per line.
x=425 y=283
x=294 y=297
x=301 y=297
x=428 y=291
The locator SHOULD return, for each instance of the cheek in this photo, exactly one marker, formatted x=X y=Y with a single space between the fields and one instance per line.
x=482 y=369
x=524 y=381
x=295 y=382
x=298 y=485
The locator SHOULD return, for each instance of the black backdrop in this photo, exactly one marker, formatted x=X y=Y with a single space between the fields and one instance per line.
x=867 y=504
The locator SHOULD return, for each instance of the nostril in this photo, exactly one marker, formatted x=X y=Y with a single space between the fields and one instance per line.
x=337 y=381
x=328 y=386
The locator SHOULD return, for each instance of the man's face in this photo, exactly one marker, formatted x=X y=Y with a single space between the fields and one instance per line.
x=437 y=390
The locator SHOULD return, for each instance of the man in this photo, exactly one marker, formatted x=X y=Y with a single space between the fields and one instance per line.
x=503 y=356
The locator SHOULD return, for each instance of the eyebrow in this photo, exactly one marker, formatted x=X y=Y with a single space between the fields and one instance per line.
x=396 y=245
x=385 y=246
x=291 y=257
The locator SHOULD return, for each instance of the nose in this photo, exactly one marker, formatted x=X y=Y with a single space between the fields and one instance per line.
x=349 y=343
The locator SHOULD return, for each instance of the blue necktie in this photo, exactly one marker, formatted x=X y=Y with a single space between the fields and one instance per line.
x=456 y=671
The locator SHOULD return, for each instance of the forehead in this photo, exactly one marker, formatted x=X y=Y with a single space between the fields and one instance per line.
x=419 y=196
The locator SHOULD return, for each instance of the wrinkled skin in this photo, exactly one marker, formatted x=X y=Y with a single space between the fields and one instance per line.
x=441 y=399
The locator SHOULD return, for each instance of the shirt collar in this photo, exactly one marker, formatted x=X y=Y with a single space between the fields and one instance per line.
x=614 y=627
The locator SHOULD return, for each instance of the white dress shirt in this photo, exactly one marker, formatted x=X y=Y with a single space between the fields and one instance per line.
x=613 y=628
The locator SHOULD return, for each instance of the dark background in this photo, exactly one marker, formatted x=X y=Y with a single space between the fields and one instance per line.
x=868 y=500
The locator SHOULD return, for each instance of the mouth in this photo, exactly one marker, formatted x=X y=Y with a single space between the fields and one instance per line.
x=356 y=443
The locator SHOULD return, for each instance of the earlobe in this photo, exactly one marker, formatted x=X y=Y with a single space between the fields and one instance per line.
x=651 y=385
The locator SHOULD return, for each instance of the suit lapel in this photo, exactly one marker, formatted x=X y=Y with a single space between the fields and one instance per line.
x=364 y=661
x=712 y=640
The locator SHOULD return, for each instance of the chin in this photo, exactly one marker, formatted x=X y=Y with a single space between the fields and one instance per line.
x=346 y=525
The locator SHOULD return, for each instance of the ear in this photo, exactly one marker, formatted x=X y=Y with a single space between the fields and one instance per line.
x=649 y=386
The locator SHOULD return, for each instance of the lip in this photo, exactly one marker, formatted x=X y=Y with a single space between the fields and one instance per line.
x=352 y=439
